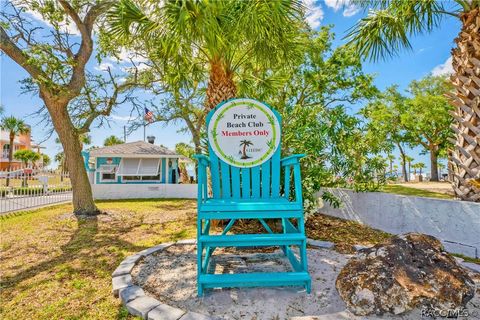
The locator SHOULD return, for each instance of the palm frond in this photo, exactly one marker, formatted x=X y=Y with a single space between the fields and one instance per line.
x=127 y=19
x=385 y=31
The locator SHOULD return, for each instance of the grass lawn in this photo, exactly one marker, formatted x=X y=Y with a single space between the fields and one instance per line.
x=57 y=267
x=407 y=191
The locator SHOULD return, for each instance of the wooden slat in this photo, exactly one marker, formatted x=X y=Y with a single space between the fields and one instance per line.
x=287 y=182
x=255 y=182
x=247 y=240
x=215 y=174
x=226 y=191
x=246 y=185
x=254 y=279
x=225 y=215
x=265 y=184
x=276 y=174
x=235 y=171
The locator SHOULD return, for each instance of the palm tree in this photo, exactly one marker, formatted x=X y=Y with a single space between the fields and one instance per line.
x=112 y=140
x=409 y=160
x=385 y=31
x=245 y=144
x=27 y=156
x=440 y=166
x=14 y=127
x=391 y=158
x=223 y=34
x=421 y=166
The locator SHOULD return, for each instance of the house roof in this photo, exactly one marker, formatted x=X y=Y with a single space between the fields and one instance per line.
x=137 y=148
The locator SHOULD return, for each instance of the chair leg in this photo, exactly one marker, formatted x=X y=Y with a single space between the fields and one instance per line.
x=199 y=267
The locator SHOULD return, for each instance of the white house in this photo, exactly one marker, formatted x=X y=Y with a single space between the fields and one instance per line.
x=136 y=170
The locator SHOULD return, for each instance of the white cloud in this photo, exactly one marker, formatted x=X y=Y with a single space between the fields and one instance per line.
x=348 y=8
x=314 y=13
x=123 y=118
x=68 y=26
x=444 y=68
x=334 y=4
x=104 y=66
x=351 y=10
x=125 y=56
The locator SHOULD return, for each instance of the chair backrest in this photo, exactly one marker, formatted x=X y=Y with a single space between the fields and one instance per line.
x=232 y=182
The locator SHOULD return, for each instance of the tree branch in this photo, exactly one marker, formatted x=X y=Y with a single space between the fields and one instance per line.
x=19 y=56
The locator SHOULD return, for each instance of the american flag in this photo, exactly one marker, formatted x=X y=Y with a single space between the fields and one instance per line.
x=148 y=116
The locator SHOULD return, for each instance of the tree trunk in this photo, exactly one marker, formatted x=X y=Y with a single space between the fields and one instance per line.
x=434 y=164
x=465 y=159
x=83 y=203
x=10 y=157
x=220 y=85
x=404 y=163
x=409 y=170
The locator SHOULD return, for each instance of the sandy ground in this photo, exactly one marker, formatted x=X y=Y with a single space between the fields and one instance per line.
x=441 y=187
x=170 y=276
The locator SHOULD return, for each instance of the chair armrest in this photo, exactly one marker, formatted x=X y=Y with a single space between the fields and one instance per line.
x=202 y=159
x=293 y=159
x=289 y=163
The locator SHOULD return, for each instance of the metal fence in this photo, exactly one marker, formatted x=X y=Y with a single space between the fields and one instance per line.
x=28 y=188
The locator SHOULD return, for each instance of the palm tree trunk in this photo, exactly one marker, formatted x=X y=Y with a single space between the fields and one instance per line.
x=466 y=100
x=220 y=85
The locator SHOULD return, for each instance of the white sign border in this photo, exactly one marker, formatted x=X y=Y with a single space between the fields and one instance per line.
x=261 y=106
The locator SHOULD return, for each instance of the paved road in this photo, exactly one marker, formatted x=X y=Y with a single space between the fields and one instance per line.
x=20 y=203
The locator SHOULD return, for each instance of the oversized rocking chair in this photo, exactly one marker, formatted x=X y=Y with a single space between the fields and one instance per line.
x=254 y=192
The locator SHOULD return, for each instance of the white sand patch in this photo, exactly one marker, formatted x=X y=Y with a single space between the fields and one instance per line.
x=170 y=276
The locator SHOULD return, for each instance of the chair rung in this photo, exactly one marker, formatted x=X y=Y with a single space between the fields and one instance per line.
x=205 y=214
x=252 y=240
x=254 y=279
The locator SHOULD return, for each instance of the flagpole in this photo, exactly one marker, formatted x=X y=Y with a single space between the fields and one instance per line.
x=144 y=129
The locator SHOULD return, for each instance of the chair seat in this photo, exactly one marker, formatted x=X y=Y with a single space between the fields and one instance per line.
x=244 y=205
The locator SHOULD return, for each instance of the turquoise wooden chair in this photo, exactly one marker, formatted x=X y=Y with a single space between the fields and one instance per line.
x=251 y=193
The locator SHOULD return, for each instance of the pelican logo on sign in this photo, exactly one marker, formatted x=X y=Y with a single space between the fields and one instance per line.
x=244 y=132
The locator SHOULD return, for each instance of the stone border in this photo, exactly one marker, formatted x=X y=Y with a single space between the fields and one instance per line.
x=138 y=304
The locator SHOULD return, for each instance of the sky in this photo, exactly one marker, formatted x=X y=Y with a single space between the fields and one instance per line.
x=430 y=54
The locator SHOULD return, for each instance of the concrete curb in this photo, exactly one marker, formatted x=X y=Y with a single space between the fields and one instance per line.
x=139 y=304
x=134 y=298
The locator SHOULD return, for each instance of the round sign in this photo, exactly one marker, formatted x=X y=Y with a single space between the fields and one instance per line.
x=244 y=132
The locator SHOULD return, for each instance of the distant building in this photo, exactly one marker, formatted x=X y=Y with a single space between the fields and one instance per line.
x=136 y=170
x=21 y=142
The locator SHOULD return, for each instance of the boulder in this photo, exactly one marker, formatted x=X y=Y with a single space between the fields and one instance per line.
x=405 y=272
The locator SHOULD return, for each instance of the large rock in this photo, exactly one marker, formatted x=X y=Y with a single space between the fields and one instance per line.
x=405 y=272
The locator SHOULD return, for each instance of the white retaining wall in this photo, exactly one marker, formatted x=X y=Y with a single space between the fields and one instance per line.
x=132 y=191
x=456 y=223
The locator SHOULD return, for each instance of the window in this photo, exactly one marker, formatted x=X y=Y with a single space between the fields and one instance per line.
x=5 y=151
x=107 y=172
x=108 y=177
x=141 y=178
x=145 y=169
